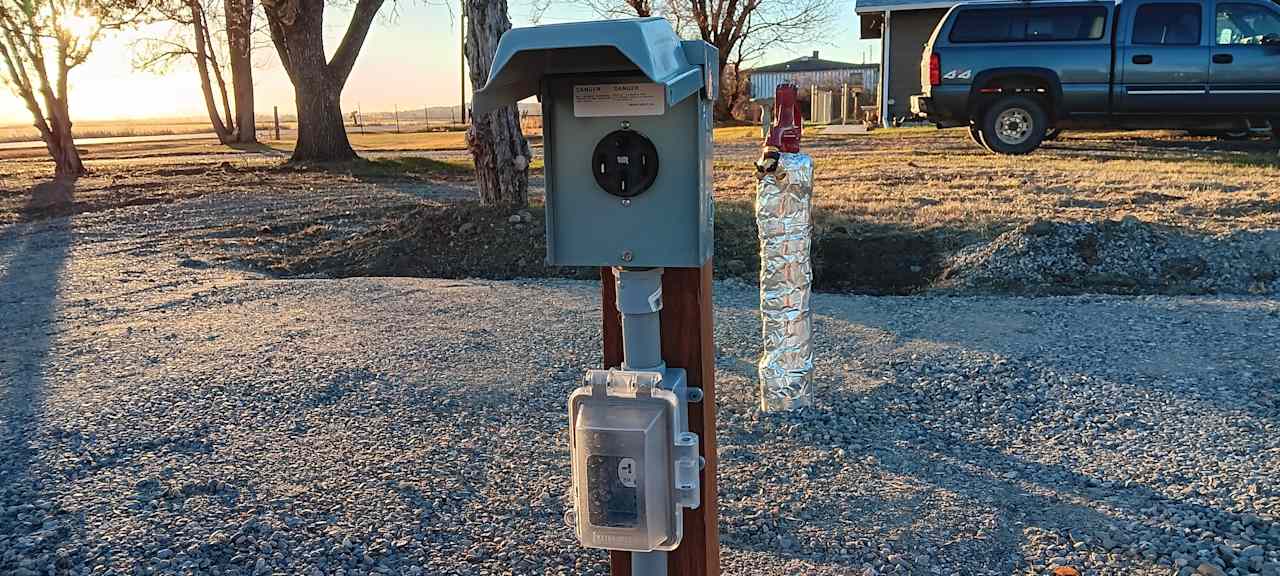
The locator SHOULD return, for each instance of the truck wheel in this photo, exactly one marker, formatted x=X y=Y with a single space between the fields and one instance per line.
x=1014 y=125
x=975 y=134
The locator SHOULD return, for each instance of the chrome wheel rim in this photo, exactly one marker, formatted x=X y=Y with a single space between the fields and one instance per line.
x=1013 y=126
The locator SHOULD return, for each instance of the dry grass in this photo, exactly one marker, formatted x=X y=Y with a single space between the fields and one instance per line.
x=937 y=182
x=415 y=141
x=924 y=180
x=111 y=129
x=888 y=199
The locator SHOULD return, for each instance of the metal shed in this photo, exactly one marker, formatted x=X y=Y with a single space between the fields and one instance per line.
x=812 y=71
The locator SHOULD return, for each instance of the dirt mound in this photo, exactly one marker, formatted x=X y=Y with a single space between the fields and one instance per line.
x=462 y=240
x=465 y=240
x=1126 y=256
x=884 y=263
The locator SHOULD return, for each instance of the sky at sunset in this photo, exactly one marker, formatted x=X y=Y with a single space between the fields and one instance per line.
x=410 y=59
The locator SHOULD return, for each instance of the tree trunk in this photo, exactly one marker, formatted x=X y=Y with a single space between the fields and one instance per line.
x=500 y=151
x=62 y=147
x=202 y=67
x=321 y=135
x=239 y=16
x=723 y=107
x=297 y=30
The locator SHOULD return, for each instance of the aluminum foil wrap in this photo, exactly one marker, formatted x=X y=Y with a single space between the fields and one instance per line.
x=783 y=199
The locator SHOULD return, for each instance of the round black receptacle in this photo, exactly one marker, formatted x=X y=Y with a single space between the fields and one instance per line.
x=625 y=163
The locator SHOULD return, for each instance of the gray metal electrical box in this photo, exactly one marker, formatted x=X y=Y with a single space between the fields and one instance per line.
x=627 y=120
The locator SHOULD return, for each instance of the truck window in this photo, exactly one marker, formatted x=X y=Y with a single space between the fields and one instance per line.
x=1245 y=24
x=1052 y=24
x=1167 y=25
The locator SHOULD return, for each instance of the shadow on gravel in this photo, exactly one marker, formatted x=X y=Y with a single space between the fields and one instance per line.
x=922 y=461
x=1019 y=494
x=34 y=257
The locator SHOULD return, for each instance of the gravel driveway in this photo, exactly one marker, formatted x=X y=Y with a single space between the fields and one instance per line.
x=161 y=415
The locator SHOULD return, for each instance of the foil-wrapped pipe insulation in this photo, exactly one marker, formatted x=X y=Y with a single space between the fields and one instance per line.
x=783 y=201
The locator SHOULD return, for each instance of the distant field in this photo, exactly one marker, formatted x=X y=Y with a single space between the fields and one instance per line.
x=121 y=128
x=111 y=129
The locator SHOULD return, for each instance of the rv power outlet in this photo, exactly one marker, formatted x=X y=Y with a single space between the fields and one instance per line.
x=625 y=163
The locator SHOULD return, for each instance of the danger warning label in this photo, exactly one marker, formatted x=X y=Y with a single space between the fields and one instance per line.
x=602 y=100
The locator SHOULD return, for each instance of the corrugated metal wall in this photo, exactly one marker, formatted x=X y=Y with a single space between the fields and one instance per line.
x=865 y=80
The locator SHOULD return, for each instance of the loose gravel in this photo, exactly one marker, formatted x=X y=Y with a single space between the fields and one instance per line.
x=161 y=415
x=1118 y=256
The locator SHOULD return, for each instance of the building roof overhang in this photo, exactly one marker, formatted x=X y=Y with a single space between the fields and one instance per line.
x=877 y=6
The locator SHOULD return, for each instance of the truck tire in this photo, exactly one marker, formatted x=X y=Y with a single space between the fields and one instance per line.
x=1014 y=125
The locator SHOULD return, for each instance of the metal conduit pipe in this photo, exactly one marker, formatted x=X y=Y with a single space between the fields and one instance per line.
x=649 y=563
x=639 y=301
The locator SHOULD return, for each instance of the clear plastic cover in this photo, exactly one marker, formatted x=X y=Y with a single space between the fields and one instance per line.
x=634 y=463
x=783 y=200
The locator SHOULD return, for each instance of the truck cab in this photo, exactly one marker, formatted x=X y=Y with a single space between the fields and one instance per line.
x=1013 y=71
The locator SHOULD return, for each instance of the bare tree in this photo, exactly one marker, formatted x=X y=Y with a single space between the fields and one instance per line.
x=297 y=30
x=609 y=9
x=764 y=25
x=210 y=37
x=500 y=150
x=742 y=30
x=41 y=41
x=238 y=24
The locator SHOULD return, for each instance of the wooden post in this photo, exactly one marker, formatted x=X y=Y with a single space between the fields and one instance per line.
x=397 y=113
x=844 y=104
x=686 y=343
x=813 y=101
x=276 y=110
x=766 y=116
x=462 y=60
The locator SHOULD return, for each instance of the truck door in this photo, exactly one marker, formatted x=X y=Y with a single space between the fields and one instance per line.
x=1164 y=63
x=1244 y=69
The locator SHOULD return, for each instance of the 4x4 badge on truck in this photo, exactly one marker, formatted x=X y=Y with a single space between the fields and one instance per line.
x=958 y=75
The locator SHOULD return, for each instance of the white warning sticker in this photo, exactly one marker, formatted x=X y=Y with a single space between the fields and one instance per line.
x=603 y=100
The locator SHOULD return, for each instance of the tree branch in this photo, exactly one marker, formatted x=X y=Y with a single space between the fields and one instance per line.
x=344 y=59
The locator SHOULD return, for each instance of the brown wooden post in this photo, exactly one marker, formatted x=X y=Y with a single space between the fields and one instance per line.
x=687 y=342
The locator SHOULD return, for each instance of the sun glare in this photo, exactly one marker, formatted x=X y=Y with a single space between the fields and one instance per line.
x=78 y=25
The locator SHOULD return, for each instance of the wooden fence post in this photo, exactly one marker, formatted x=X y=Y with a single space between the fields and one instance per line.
x=687 y=342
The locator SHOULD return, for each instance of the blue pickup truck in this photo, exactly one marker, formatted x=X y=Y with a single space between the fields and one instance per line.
x=1015 y=72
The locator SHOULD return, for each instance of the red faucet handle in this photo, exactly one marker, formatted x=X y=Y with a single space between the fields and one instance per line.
x=787 y=127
